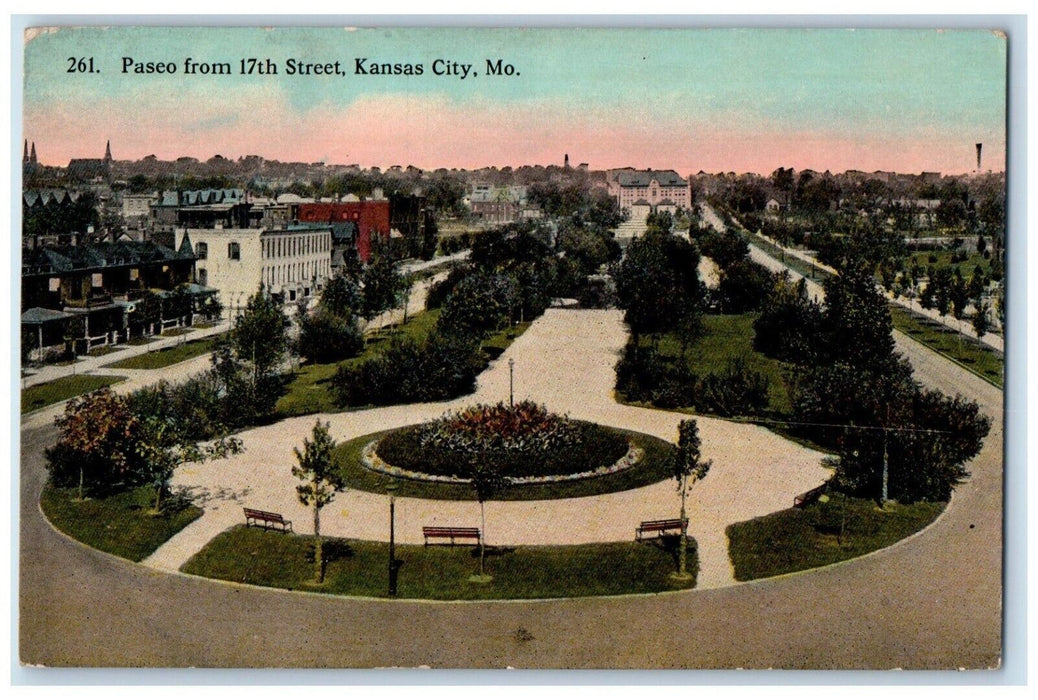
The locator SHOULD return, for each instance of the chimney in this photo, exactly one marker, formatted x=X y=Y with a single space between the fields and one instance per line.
x=979 y=147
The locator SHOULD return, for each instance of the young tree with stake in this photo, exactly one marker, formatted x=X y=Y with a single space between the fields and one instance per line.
x=688 y=468
x=486 y=481
x=320 y=483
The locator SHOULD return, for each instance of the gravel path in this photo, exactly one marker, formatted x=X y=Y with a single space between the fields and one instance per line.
x=565 y=361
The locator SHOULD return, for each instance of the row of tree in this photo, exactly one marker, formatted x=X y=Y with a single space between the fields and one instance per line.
x=852 y=393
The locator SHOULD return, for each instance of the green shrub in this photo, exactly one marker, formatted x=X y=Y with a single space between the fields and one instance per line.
x=326 y=337
x=441 y=367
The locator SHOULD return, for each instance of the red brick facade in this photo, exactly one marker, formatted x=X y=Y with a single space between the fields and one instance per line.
x=371 y=217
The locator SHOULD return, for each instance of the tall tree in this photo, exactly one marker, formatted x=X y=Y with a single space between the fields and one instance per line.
x=260 y=334
x=658 y=284
x=342 y=295
x=383 y=286
x=321 y=481
x=688 y=467
x=856 y=319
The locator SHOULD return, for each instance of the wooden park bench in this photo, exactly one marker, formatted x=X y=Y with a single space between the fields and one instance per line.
x=266 y=519
x=659 y=528
x=809 y=497
x=451 y=533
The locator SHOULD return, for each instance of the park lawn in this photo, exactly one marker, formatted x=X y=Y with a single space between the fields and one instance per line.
x=944 y=260
x=168 y=356
x=360 y=568
x=806 y=538
x=654 y=467
x=120 y=524
x=499 y=341
x=799 y=265
x=59 y=390
x=309 y=389
x=724 y=338
x=974 y=356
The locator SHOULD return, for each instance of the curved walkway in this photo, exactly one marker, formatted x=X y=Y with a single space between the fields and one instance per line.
x=933 y=601
x=564 y=360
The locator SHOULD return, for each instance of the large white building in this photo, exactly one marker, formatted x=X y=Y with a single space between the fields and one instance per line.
x=294 y=261
x=650 y=188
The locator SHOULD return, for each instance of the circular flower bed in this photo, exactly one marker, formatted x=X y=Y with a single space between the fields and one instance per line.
x=525 y=443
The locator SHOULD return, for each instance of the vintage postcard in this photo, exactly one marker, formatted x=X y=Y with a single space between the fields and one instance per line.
x=548 y=348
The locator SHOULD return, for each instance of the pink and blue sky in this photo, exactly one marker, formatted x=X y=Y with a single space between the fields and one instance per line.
x=714 y=100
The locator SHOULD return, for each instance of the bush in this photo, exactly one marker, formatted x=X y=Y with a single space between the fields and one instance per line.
x=442 y=367
x=327 y=337
x=738 y=391
x=745 y=286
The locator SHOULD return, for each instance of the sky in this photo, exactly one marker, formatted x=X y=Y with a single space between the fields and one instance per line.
x=743 y=100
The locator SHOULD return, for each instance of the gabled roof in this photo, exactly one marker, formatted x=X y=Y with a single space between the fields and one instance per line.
x=642 y=178
x=57 y=259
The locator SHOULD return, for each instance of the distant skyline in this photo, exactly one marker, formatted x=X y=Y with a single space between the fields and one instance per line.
x=744 y=100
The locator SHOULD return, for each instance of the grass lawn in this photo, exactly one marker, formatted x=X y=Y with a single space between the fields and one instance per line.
x=944 y=260
x=265 y=558
x=141 y=340
x=168 y=356
x=309 y=389
x=806 y=538
x=119 y=524
x=724 y=338
x=653 y=468
x=58 y=390
x=803 y=267
x=102 y=350
x=976 y=357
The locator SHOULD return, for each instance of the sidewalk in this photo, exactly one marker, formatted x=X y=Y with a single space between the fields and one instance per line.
x=965 y=327
x=88 y=365
x=992 y=340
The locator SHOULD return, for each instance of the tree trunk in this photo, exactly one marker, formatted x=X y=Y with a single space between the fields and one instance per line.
x=318 y=553
x=158 y=497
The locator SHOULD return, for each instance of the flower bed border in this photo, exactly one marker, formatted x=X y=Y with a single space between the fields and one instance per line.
x=371 y=461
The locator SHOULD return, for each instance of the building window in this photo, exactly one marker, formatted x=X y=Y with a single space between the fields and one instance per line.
x=202 y=250
x=203 y=277
x=234 y=251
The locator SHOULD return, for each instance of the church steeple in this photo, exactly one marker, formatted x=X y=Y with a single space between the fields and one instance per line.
x=108 y=151
x=25 y=152
x=32 y=154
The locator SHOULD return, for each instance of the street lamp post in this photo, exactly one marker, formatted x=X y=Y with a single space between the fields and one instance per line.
x=511 y=382
x=883 y=495
x=391 y=489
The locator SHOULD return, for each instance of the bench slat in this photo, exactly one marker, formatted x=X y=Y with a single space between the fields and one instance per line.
x=255 y=516
x=660 y=526
x=450 y=533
